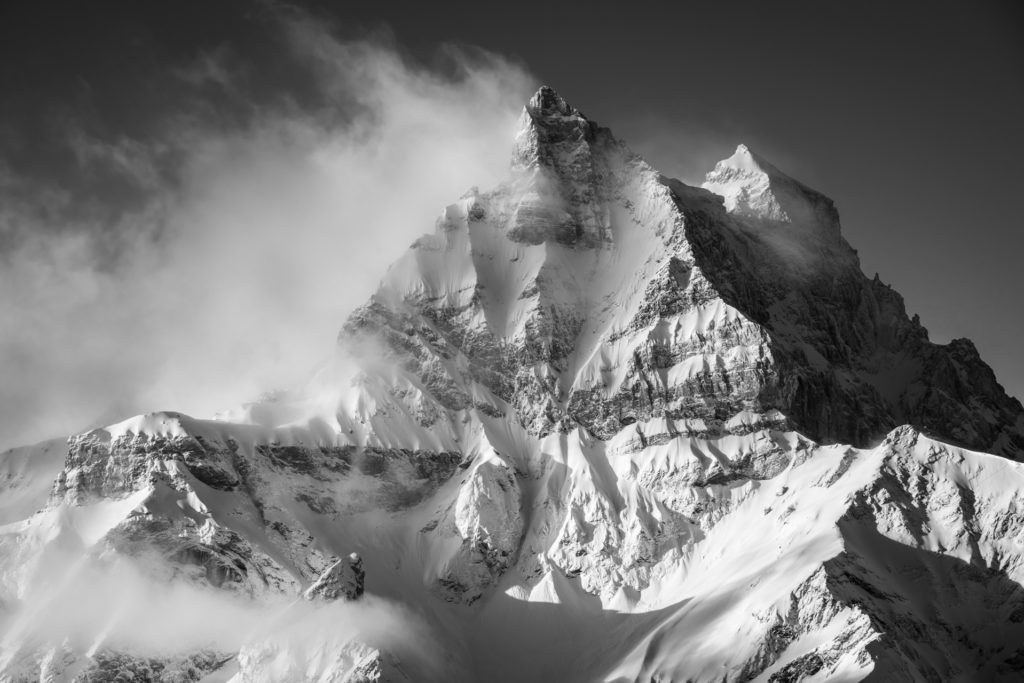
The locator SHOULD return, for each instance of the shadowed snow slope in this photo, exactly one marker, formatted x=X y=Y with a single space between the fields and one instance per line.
x=598 y=426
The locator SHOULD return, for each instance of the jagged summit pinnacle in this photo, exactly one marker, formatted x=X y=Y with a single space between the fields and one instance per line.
x=546 y=102
x=551 y=131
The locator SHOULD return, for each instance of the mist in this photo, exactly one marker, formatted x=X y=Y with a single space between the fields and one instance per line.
x=227 y=260
x=89 y=606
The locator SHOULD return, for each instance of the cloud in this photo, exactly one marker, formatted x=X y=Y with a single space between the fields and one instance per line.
x=130 y=158
x=88 y=607
x=227 y=255
x=211 y=67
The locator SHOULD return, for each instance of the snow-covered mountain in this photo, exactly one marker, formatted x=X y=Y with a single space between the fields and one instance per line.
x=598 y=426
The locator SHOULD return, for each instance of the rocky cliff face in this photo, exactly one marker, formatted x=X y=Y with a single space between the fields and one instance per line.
x=854 y=364
x=598 y=425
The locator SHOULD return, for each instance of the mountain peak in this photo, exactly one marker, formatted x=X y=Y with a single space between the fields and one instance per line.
x=749 y=185
x=755 y=189
x=546 y=102
x=550 y=130
x=744 y=159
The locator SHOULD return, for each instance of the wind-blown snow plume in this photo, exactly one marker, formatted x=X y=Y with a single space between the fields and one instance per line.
x=250 y=243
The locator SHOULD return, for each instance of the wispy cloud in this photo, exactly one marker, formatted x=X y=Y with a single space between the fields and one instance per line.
x=250 y=243
x=90 y=607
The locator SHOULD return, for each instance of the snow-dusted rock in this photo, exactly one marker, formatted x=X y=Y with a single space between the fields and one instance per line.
x=476 y=537
x=635 y=429
x=343 y=579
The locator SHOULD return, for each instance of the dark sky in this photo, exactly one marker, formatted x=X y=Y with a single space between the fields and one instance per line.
x=910 y=114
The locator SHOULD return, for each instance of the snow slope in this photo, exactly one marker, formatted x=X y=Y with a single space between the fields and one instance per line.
x=598 y=426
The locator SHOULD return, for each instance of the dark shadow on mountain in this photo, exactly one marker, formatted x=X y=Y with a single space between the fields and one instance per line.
x=575 y=641
x=849 y=363
x=940 y=617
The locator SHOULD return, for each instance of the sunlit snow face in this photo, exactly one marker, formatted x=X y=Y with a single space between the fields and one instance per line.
x=233 y=278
